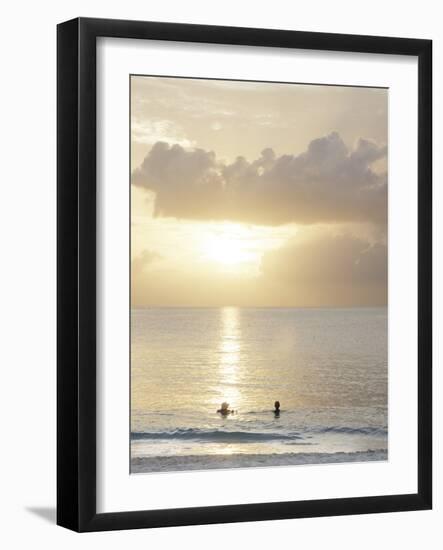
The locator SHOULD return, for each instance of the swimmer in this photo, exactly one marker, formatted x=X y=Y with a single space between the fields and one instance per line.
x=224 y=410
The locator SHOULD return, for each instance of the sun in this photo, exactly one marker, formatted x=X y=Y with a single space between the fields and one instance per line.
x=227 y=251
x=229 y=248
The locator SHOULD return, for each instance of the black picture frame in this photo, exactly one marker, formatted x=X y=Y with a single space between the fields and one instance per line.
x=76 y=274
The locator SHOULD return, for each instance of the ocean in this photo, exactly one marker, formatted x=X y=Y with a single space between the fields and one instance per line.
x=327 y=367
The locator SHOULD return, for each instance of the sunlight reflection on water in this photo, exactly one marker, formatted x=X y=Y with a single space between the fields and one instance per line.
x=229 y=356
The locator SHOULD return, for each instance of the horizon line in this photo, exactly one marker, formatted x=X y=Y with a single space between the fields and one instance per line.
x=257 y=307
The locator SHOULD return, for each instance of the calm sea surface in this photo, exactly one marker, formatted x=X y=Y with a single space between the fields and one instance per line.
x=327 y=367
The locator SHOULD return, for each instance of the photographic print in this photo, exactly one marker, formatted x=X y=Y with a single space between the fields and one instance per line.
x=259 y=319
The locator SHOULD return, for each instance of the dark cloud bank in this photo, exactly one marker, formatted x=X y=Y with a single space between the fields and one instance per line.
x=328 y=258
x=332 y=269
x=325 y=184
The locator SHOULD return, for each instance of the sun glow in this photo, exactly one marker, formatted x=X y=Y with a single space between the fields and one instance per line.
x=228 y=251
x=231 y=248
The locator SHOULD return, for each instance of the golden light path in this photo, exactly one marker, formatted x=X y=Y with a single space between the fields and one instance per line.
x=229 y=353
x=229 y=363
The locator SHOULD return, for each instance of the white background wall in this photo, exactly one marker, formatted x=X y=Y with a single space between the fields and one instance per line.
x=27 y=272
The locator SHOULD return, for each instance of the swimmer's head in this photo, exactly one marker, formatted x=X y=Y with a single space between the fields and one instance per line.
x=277 y=405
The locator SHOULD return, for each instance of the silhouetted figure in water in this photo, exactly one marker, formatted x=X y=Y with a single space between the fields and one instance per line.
x=277 y=408
x=224 y=410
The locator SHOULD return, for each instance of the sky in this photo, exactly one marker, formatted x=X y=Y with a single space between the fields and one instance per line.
x=257 y=194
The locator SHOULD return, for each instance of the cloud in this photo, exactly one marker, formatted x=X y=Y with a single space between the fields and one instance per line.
x=331 y=258
x=325 y=184
x=335 y=269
